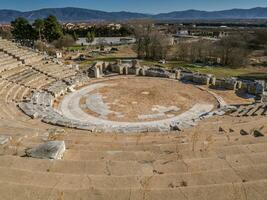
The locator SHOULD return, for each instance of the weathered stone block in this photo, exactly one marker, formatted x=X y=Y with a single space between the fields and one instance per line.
x=49 y=150
x=4 y=140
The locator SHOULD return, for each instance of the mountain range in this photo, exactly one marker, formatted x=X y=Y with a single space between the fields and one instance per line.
x=70 y=14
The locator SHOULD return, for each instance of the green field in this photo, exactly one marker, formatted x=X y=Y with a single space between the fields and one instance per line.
x=219 y=72
x=76 y=48
x=222 y=72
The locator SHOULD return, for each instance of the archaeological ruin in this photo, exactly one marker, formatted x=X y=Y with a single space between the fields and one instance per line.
x=120 y=130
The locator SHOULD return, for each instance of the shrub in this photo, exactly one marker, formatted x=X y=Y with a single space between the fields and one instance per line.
x=64 y=41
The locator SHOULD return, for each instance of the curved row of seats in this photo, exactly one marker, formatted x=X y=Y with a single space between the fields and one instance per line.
x=23 y=54
x=212 y=161
x=146 y=166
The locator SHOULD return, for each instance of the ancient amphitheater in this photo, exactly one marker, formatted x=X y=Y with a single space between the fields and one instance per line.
x=124 y=131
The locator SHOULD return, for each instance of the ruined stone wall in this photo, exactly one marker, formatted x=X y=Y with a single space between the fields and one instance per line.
x=256 y=88
x=251 y=87
x=201 y=80
x=155 y=72
x=228 y=84
x=187 y=77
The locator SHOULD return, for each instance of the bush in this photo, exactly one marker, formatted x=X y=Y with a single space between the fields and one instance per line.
x=64 y=41
x=40 y=45
x=5 y=34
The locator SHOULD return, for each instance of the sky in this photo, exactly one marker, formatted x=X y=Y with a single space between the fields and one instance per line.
x=144 y=6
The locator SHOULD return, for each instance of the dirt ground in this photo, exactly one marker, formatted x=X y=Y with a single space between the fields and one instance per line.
x=138 y=96
x=230 y=97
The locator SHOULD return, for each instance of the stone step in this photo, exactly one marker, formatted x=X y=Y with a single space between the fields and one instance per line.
x=255 y=190
x=155 y=180
x=7 y=61
x=150 y=155
x=10 y=93
x=15 y=94
x=13 y=71
x=103 y=167
x=201 y=146
x=89 y=143
x=5 y=86
x=10 y=65
x=244 y=146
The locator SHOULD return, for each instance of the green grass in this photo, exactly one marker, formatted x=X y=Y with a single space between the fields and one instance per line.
x=76 y=47
x=219 y=72
x=254 y=76
x=223 y=72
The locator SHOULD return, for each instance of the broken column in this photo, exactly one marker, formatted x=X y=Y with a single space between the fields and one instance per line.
x=213 y=81
x=256 y=88
x=97 y=72
x=118 y=62
x=178 y=74
x=135 y=63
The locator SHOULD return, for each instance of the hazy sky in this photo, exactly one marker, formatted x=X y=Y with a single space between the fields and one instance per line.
x=147 y=6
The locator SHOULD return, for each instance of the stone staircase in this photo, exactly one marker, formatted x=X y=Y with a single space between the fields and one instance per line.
x=211 y=161
x=140 y=167
x=258 y=109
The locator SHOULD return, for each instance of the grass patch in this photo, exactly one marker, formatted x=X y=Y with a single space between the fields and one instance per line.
x=262 y=76
x=219 y=72
x=223 y=72
x=76 y=48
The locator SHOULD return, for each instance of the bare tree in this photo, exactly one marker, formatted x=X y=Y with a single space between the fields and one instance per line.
x=151 y=43
x=232 y=50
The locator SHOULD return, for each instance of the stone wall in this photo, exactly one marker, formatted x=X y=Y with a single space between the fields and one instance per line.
x=228 y=84
x=159 y=72
x=199 y=79
x=256 y=88
x=134 y=68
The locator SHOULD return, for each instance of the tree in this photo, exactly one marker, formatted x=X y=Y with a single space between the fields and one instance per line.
x=22 y=30
x=5 y=34
x=151 y=43
x=39 y=25
x=102 y=42
x=75 y=37
x=64 y=41
x=232 y=50
x=90 y=37
x=182 y=51
x=52 y=29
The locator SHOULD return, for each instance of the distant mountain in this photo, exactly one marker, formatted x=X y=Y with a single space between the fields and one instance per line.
x=253 y=13
x=70 y=15
x=78 y=14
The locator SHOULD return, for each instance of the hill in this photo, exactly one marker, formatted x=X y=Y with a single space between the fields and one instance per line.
x=79 y=14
